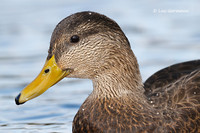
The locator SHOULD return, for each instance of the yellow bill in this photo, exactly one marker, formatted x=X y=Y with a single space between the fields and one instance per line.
x=49 y=76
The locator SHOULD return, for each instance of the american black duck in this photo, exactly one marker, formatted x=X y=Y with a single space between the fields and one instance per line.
x=90 y=45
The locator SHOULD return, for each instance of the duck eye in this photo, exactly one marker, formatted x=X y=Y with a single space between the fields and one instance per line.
x=74 y=39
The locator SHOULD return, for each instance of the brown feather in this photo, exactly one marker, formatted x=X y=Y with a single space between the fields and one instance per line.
x=169 y=101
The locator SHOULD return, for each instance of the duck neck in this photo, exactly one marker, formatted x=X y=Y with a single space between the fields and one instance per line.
x=119 y=81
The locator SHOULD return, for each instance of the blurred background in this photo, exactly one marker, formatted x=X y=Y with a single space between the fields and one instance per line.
x=161 y=33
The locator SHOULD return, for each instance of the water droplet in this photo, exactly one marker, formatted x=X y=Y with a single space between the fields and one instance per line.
x=151 y=101
x=110 y=106
x=195 y=93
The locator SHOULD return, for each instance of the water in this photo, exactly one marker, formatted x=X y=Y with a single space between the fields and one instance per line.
x=158 y=39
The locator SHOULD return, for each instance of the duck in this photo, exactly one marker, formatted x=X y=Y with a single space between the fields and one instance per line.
x=90 y=45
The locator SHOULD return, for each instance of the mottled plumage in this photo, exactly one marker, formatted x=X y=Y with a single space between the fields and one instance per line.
x=169 y=101
x=175 y=91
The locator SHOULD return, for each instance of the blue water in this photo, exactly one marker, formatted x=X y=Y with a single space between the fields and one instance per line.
x=158 y=39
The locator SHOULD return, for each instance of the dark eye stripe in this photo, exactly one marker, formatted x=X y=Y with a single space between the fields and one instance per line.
x=74 y=39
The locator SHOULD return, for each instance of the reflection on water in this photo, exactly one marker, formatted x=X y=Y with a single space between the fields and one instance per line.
x=158 y=40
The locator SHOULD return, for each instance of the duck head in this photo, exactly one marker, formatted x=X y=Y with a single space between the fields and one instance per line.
x=83 y=45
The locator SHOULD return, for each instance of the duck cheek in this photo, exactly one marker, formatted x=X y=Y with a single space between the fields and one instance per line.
x=80 y=73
